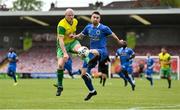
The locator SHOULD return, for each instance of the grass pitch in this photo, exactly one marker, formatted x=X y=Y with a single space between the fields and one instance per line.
x=40 y=94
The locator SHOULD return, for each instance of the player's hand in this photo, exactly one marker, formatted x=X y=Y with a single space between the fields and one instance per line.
x=121 y=41
x=71 y=35
x=66 y=56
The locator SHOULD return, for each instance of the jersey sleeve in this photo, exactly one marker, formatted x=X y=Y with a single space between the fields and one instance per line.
x=61 y=30
x=15 y=55
x=117 y=52
x=107 y=31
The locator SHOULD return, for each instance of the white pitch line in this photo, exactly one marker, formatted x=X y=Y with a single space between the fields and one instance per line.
x=157 y=107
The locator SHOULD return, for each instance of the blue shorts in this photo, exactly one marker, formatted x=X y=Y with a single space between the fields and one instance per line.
x=103 y=54
x=85 y=64
x=11 y=69
x=127 y=68
x=149 y=72
x=68 y=65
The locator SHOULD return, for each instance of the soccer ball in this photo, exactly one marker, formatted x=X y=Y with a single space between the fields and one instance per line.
x=83 y=51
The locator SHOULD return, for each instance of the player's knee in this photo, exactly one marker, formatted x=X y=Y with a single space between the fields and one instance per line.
x=83 y=72
x=169 y=78
x=92 y=63
x=104 y=76
x=60 y=67
x=84 y=76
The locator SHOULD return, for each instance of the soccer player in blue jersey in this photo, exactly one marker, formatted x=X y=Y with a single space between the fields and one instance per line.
x=12 y=58
x=98 y=34
x=126 y=56
x=149 y=68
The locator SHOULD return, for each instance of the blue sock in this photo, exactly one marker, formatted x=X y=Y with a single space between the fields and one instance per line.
x=89 y=71
x=9 y=74
x=129 y=80
x=122 y=76
x=14 y=77
x=88 y=82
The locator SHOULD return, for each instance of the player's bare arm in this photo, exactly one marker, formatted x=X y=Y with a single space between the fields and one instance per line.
x=10 y=59
x=132 y=56
x=115 y=37
x=78 y=36
x=17 y=59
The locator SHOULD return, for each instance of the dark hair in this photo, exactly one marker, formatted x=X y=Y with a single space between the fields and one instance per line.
x=11 y=49
x=96 y=12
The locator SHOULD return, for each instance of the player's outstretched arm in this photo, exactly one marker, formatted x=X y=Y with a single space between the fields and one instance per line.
x=115 y=37
x=78 y=36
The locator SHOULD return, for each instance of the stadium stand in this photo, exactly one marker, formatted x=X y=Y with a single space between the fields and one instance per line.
x=37 y=60
x=154 y=50
x=41 y=59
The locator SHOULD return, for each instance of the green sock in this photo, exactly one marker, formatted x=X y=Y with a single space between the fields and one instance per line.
x=60 y=74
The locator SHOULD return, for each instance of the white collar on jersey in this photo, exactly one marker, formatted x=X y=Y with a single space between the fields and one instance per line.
x=124 y=48
x=97 y=25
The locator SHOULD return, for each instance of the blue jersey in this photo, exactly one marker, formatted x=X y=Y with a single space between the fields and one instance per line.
x=125 y=55
x=98 y=38
x=12 y=56
x=149 y=69
x=12 y=64
x=149 y=62
x=98 y=35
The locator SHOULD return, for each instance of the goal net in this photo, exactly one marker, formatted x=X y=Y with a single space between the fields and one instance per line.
x=139 y=66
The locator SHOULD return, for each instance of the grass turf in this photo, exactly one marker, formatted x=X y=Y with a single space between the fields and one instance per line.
x=40 y=94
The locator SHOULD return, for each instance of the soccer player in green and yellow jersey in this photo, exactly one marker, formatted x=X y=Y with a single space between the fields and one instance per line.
x=165 y=63
x=65 y=43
